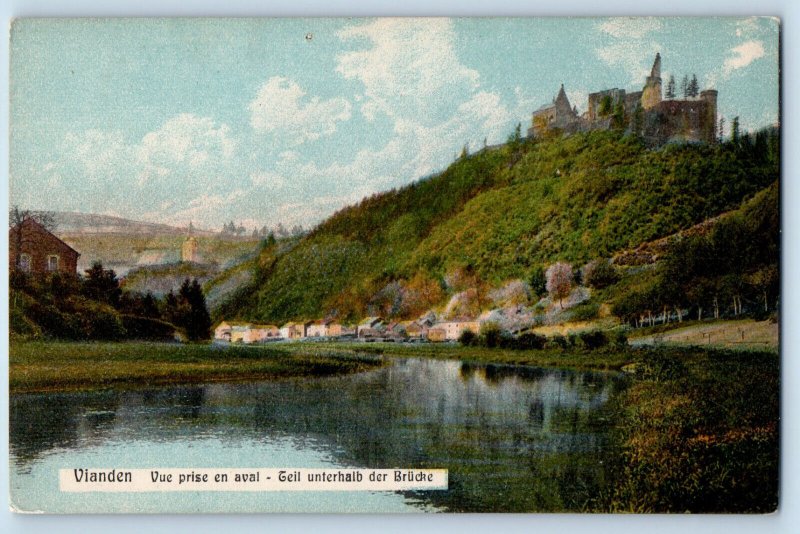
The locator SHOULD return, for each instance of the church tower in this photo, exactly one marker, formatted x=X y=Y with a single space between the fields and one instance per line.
x=651 y=94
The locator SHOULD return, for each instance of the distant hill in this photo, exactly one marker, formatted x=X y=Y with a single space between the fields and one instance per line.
x=500 y=215
x=91 y=223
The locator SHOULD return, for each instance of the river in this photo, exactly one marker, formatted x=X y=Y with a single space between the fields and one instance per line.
x=514 y=438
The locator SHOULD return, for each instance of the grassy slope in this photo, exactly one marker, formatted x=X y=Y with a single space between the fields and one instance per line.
x=502 y=212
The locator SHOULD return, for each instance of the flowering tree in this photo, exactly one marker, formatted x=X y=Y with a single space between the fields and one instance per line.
x=559 y=281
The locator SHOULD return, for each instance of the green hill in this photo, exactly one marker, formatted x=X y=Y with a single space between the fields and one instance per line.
x=499 y=215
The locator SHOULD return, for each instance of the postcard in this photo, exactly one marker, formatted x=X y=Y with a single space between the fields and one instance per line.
x=389 y=265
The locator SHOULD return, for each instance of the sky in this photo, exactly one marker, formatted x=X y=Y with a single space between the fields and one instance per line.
x=261 y=121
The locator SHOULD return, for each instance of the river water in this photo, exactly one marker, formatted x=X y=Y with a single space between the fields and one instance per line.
x=514 y=438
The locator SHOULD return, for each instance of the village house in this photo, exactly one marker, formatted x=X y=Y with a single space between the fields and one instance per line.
x=453 y=329
x=34 y=249
x=258 y=333
x=243 y=332
x=415 y=330
x=436 y=334
x=293 y=330
x=324 y=328
x=369 y=327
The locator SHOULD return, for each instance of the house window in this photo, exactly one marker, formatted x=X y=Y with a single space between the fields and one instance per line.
x=25 y=263
x=52 y=262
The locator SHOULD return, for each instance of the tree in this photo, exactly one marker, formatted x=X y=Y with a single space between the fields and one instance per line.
x=464 y=151
x=735 y=134
x=538 y=281
x=685 y=86
x=599 y=274
x=559 y=281
x=670 y=95
x=189 y=310
x=721 y=128
x=516 y=137
x=102 y=285
x=693 y=88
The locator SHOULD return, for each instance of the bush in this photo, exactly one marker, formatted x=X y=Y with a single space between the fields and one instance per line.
x=599 y=274
x=98 y=321
x=490 y=335
x=529 y=340
x=147 y=328
x=468 y=338
x=557 y=340
x=593 y=339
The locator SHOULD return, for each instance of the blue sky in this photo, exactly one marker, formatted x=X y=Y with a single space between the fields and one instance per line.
x=263 y=121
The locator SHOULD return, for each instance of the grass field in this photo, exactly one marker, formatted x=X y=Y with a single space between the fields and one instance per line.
x=743 y=334
x=56 y=366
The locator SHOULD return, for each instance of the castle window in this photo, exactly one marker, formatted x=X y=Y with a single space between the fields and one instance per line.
x=52 y=262
x=25 y=263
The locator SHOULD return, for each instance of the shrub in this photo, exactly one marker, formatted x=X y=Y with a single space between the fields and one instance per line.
x=468 y=338
x=593 y=339
x=147 y=328
x=559 y=341
x=490 y=335
x=599 y=274
x=529 y=340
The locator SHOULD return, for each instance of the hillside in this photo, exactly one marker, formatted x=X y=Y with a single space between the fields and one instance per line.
x=67 y=222
x=500 y=215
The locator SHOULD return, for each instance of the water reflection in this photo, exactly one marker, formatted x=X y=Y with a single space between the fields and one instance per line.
x=514 y=438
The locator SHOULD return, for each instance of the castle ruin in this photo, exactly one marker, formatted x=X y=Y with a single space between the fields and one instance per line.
x=645 y=112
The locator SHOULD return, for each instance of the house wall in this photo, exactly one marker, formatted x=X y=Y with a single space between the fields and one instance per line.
x=38 y=244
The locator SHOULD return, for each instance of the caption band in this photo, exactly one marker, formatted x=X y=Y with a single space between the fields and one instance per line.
x=250 y=479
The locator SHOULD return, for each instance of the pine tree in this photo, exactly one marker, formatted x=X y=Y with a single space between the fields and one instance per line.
x=721 y=128
x=694 y=88
x=735 y=130
x=685 y=86
x=191 y=312
x=671 y=88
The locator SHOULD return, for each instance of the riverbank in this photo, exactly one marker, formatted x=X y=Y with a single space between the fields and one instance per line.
x=606 y=359
x=698 y=431
x=39 y=366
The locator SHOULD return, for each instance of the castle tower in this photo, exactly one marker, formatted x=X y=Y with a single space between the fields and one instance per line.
x=651 y=94
x=189 y=250
x=708 y=122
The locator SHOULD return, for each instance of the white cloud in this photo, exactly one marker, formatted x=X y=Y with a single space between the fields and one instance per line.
x=631 y=46
x=634 y=56
x=630 y=27
x=281 y=107
x=185 y=143
x=743 y=55
x=411 y=67
x=96 y=152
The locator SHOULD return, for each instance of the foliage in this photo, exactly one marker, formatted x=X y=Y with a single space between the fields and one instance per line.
x=468 y=338
x=188 y=310
x=102 y=285
x=698 y=433
x=559 y=281
x=599 y=274
x=147 y=328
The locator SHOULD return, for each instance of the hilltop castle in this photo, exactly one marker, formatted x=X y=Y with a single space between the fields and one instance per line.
x=645 y=112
